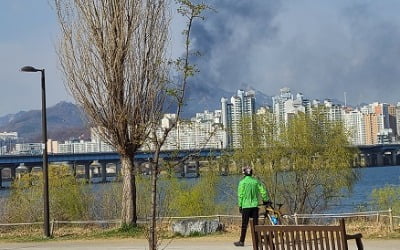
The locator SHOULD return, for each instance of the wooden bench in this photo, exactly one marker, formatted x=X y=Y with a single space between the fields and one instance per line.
x=302 y=237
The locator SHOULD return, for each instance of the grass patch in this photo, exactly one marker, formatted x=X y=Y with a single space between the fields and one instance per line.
x=125 y=231
x=372 y=229
x=27 y=234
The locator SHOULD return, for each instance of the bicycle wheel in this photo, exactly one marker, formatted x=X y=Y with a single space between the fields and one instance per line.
x=263 y=218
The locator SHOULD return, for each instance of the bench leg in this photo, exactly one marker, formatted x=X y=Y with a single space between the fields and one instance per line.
x=359 y=244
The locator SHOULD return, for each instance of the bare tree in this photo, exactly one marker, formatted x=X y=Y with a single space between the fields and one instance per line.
x=112 y=54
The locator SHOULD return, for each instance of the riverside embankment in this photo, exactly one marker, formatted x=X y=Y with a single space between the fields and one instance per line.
x=359 y=199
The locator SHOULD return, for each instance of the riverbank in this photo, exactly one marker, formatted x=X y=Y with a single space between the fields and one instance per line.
x=359 y=200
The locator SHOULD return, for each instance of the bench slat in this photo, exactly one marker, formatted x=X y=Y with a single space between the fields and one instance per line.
x=331 y=240
x=325 y=240
x=304 y=239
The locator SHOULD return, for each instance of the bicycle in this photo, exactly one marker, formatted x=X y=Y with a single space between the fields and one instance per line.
x=274 y=216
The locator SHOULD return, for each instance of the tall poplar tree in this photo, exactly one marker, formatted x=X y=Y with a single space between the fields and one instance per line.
x=112 y=54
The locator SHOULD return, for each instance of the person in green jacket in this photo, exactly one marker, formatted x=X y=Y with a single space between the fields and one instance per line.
x=249 y=191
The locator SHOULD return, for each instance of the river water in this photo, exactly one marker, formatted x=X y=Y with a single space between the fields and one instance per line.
x=370 y=178
x=360 y=199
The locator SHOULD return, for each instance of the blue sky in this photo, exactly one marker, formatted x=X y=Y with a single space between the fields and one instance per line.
x=321 y=48
x=28 y=36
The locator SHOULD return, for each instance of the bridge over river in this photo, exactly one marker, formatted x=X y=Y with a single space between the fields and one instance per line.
x=378 y=155
x=106 y=164
x=102 y=164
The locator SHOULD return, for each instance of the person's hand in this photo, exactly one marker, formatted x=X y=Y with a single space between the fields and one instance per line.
x=240 y=209
x=267 y=203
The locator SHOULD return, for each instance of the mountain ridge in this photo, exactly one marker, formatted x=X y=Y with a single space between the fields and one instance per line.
x=65 y=120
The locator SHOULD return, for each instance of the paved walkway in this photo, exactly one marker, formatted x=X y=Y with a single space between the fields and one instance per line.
x=205 y=243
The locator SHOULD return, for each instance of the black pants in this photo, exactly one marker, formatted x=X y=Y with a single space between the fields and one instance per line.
x=248 y=213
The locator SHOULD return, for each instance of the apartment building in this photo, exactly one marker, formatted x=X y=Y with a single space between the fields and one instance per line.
x=393 y=119
x=205 y=130
x=278 y=105
x=398 y=121
x=232 y=114
x=355 y=124
x=333 y=111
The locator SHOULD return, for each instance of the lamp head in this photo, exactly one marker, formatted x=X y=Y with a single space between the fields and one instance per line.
x=29 y=69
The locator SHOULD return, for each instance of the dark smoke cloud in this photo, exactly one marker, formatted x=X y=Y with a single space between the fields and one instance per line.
x=228 y=38
x=320 y=48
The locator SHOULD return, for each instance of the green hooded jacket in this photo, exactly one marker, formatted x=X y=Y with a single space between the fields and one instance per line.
x=249 y=191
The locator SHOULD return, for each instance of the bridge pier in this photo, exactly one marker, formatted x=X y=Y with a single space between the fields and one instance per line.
x=117 y=171
x=73 y=166
x=93 y=168
x=368 y=160
x=190 y=167
x=197 y=168
x=397 y=159
x=22 y=169
x=394 y=157
x=103 y=167
x=364 y=160
x=91 y=172
x=379 y=159
x=87 y=172
x=185 y=170
x=1 y=178
x=14 y=172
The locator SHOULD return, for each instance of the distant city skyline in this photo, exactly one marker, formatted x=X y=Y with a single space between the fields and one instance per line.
x=324 y=49
x=371 y=124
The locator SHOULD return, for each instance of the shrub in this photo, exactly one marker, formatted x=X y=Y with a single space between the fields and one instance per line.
x=67 y=197
x=387 y=197
x=195 y=199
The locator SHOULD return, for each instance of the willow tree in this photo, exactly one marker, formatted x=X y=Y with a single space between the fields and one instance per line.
x=306 y=163
x=317 y=158
x=112 y=55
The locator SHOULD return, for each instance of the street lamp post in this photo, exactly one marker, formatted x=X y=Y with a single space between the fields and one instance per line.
x=46 y=210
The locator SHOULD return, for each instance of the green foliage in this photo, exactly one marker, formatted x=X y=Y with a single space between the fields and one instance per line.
x=194 y=199
x=305 y=163
x=128 y=228
x=125 y=231
x=387 y=197
x=25 y=203
x=68 y=200
x=72 y=199
x=257 y=136
x=143 y=195
x=191 y=10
